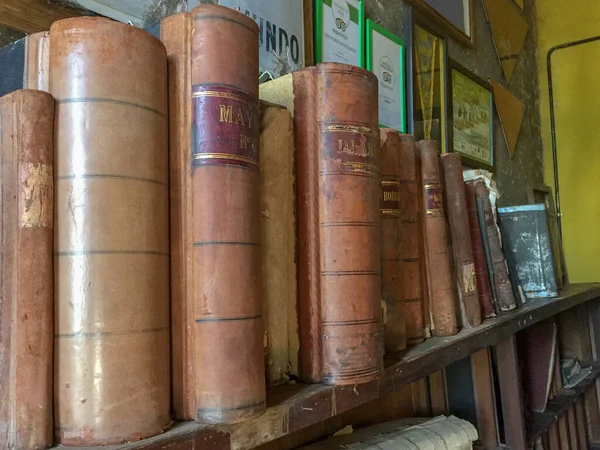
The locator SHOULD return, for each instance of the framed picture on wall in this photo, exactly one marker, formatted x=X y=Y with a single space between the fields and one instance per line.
x=455 y=16
x=470 y=108
x=386 y=58
x=429 y=86
x=339 y=31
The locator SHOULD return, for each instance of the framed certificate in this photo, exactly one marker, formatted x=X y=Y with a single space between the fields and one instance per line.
x=471 y=115
x=386 y=59
x=339 y=31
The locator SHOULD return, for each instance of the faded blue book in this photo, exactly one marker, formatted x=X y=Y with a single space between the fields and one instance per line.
x=527 y=237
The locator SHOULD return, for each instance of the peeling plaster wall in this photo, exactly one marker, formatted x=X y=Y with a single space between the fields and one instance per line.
x=8 y=36
x=526 y=167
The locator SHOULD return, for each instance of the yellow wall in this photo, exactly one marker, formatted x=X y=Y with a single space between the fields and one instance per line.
x=576 y=82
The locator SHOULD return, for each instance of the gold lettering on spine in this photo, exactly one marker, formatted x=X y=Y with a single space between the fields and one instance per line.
x=354 y=148
x=239 y=119
x=226 y=113
x=392 y=196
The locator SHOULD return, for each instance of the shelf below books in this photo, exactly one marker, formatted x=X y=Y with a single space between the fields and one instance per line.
x=561 y=403
x=294 y=407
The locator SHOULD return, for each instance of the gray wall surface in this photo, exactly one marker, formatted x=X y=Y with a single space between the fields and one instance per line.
x=526 y=167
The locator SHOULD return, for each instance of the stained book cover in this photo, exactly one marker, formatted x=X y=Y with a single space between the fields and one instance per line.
x=176 y=35
x=442 y=294
x=338 y=191
x=26 y=296
x=410 y=241
x=527 y=239
x=226 y=224
x=391 y=242
x=111 y=242
x=278 y=240
x=504 y=296
x=464 y=264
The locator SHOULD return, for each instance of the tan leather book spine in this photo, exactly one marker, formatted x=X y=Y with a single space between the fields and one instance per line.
x=176 y=35
x=484 y=290
x=391 y=242
x=456 y=201
x=306 y=126
x=111 y=381
x=36 y=74
x=439 y=265
x=505 y=298
x=349 y=218
x=228 y=335
x=278 y=242
x=26 y=297
x=295 y=92
x=412 y=293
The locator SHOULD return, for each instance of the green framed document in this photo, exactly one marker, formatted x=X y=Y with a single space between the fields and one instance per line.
x=339 y=31
x=386 y=59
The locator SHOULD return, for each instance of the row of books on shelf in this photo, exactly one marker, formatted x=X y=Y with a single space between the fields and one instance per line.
x=145 y=274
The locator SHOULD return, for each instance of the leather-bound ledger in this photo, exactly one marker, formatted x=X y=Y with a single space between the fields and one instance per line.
x=338 y=190
x=442 y=294
x=347 y=144
x=456 y=201
x=412 y=293
x=176 y=35
x=391 y=242
x=26 y=296
x=297 y=92
x=111 y=373
x=291 y=91
x=37 y=59
x=484 y=290
x=505 y=299
x=228 y=334
x=278 y=241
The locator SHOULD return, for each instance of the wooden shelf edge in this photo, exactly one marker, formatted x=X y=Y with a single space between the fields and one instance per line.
x=560 y=404
x=292 y=408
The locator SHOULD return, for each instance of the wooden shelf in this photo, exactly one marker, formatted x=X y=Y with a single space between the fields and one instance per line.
x=560 y=404
x=296 y=406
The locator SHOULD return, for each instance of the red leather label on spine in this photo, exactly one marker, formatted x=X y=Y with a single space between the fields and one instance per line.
x=433 y=199
x=350 y=148
x=224 y=127
x=390 y=197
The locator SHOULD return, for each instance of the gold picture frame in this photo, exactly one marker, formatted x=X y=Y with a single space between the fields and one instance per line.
x=450 y=20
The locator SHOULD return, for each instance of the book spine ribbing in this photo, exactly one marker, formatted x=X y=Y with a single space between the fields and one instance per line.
x=228 y=335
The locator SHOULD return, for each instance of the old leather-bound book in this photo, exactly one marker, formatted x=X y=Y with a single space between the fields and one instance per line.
x=176 y=35
x=505 y=299
x=26 y=297
x=111 y=373
x=297 y=93
x=230 y=387
x=484 y=291
x=278 y=242
x=345 y=132
x=412 y=294
x=442 y=294
x=338 y=190
x=391 y=242
x=456 y=201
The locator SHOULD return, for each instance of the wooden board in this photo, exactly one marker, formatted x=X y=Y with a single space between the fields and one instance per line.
x=32 y=16
x=278 y=242
x=437 y=394
x=511 y=111
x=508 y=30
x=483 y=386
x=510 y=391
